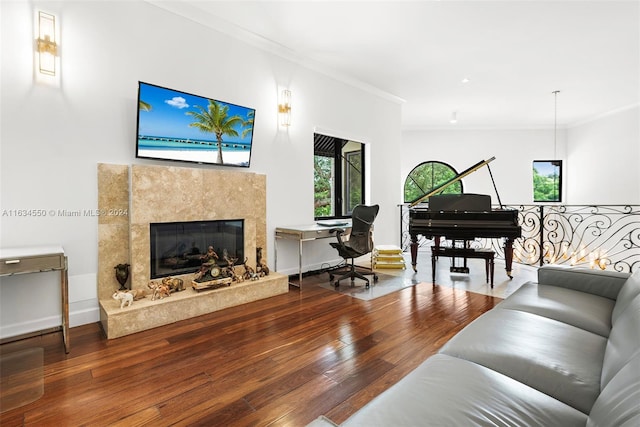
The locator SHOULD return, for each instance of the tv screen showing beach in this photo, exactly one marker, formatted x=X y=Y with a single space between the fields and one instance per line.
x=174 y=125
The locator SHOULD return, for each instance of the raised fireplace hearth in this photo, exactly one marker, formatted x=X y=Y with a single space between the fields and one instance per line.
x=146 y=196
x=147 y=314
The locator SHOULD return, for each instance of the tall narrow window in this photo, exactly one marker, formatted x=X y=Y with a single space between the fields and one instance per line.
x=547 y=180
x=338 y=176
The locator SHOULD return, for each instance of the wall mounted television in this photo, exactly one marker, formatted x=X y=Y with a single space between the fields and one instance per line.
x=179 y=126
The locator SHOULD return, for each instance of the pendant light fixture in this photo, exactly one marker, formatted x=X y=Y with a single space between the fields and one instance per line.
x=555 y=124
x=547 y=174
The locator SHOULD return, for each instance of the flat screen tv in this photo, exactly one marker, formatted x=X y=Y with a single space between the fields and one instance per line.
x=174 y=125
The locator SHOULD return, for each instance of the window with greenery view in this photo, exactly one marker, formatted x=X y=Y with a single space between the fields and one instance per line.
x=427 y=176
x=547 y=180
x=338 y=177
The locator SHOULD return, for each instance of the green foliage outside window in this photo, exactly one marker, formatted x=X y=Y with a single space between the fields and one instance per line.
x=547 y=181
x=354 y=179
x=322 y=181
x=427 y=176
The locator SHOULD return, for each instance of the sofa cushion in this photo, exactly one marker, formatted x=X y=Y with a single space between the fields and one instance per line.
x=446 y=391
x=619 y=401
x=629 y=291
x=555 y=358
x=586 y=311
x=624 y=341
x=598 y=282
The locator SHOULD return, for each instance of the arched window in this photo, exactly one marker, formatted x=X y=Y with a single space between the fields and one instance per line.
x=427 y=176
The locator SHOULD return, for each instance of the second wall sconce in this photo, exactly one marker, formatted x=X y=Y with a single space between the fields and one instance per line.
x=46 y=45
x=284 y=108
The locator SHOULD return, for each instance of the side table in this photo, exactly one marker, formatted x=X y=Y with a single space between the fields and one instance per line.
x=36 y=259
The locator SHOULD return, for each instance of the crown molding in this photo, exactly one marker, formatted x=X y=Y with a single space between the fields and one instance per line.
x=197 y=15
x=459 y=127
x=603 y=115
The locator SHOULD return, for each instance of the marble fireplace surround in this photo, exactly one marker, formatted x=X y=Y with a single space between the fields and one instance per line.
x=132 y=197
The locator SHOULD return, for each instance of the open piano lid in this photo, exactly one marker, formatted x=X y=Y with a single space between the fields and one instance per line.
x=457 y=178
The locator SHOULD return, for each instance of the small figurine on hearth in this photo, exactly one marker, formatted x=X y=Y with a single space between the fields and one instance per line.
x=174 y=284
x=261 y=267
x=249 y=272
x=230 y=270
x=158 y=290
x=125 y=298
x=210 y=256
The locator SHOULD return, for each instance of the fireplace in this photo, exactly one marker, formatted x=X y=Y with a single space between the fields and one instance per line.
x=233 y=204
x=181 y=247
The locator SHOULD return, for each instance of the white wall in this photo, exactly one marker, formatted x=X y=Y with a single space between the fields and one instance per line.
x=601 y=158
x=604 y=165
x=514 y=151
x=53 y=138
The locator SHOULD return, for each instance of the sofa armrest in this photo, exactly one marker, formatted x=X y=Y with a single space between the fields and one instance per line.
x=598 y=282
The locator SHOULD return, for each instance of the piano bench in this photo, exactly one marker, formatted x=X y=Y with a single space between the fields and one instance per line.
x=482 y=253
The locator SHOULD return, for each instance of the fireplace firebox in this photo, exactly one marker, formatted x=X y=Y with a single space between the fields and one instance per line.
x=181 y=247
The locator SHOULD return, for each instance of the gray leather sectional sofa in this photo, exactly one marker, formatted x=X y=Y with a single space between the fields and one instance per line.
x=564 y=351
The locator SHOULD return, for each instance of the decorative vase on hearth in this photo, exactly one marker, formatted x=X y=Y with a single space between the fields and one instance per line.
x=122 y=275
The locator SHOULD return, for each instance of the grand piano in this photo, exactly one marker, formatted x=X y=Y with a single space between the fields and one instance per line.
x=462 y=217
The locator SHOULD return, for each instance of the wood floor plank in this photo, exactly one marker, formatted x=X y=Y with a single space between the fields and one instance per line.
x=145 y=417
x=285 y=409
x=282 y=361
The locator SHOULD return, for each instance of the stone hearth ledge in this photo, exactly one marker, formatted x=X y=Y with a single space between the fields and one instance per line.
x=145 y=314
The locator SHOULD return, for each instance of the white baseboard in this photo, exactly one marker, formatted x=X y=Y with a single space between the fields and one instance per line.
x=22 y=328
x=85 y=314
x=311 y=267
x=80 y=313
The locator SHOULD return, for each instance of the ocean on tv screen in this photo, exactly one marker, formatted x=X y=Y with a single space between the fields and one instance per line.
x=236 y=154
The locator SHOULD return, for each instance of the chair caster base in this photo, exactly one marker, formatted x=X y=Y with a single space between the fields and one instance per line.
x=352 y=276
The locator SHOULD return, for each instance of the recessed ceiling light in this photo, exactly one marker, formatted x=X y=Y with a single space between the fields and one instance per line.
x=466 y=80
x=454 y=117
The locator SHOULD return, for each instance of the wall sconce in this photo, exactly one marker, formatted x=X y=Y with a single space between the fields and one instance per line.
x=284 y=108
x=46 y=45
x=454 y=117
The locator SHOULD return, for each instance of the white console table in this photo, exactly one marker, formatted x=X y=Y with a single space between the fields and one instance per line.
x=36 y=259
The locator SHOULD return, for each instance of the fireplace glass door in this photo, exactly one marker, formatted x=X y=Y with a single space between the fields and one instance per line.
x=181 y=247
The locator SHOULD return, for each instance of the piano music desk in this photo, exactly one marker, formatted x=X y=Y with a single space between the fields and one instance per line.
x=487 y=254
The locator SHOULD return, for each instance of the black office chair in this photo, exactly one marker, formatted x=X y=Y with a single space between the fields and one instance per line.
x=360 y=243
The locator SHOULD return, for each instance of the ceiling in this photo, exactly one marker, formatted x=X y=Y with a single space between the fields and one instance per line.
x=515 y=54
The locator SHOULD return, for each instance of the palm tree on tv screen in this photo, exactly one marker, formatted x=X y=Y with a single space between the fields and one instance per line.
x=144 y=106
x=248 y=123
x=215 y=120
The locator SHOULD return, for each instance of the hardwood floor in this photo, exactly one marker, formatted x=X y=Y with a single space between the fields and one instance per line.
x=282 y=361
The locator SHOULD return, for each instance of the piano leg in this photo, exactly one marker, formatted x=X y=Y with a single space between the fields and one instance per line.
x=414 y=252
x=508 y=255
